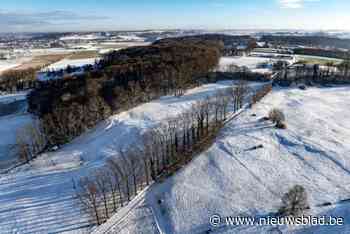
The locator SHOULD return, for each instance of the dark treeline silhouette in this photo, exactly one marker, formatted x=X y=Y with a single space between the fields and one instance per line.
x=122 y=79
x=165 y=149
x=310 y=41
x=231 y=43
x=227 y=40
x=339 y=54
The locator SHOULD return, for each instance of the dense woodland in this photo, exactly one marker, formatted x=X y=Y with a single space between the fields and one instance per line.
x=227 y=40
x=309 y=41
x=231 y=43
x=123 y=79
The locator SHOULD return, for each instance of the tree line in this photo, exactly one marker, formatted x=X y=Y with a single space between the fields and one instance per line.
x=21 y=79
x=311 y=41
x=330 y=72
x=165 y=149
x=121 y=80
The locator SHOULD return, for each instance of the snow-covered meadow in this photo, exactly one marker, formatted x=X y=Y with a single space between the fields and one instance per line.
x=233 y=178
x=252 y=63
x=38 y=198
x=5 y=65
x=255 y=63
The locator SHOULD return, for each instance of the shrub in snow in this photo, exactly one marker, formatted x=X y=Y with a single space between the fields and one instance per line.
x=302 y=87
x=281 y=125
x=294 y=202
x=277 y=117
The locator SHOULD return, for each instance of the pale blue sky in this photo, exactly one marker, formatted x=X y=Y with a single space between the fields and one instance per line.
x=70 y=15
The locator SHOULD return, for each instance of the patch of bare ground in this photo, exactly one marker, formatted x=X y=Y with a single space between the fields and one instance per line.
x=41 y=61
x=83 y=54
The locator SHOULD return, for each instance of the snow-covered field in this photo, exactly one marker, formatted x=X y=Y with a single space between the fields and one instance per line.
x=252 y=63
x=258 y=63
x=71 y=62
x=37 y=198
x=4 y=65
x=232 y=178
x=317 y=58
x=92 y=36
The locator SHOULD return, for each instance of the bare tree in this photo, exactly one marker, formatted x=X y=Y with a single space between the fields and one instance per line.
x=216 y=106
x=294 y=202
x=207 y=111
x=133 y=156
x=101 y=180
x=125 y=172
x=238 y=94
x=118 y=176
x=162 y=134
x=223 y=103
x=30 y=141
x=277 y=117
x=152 y=153
x=112 y=181
x=186 y=124
x=87 y=193
x=172 y=142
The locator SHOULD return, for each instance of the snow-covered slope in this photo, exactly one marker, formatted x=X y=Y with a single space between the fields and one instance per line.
x=231 y=178
x=37 y=198
x=13 y=116
x=234 y=179
x=252 y=63
x=9 y=125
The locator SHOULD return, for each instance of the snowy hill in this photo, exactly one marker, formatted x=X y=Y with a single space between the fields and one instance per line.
x=38 y=198
x=231 y=178
x=234 y=179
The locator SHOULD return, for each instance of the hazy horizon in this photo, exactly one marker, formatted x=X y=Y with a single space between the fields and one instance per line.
x=108 y=15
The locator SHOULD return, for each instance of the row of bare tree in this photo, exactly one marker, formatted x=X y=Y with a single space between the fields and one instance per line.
x=30 y=141
x=14 y=80
x=330 y=72
x=262 y=92
x=163 y=151
x=164 y=148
